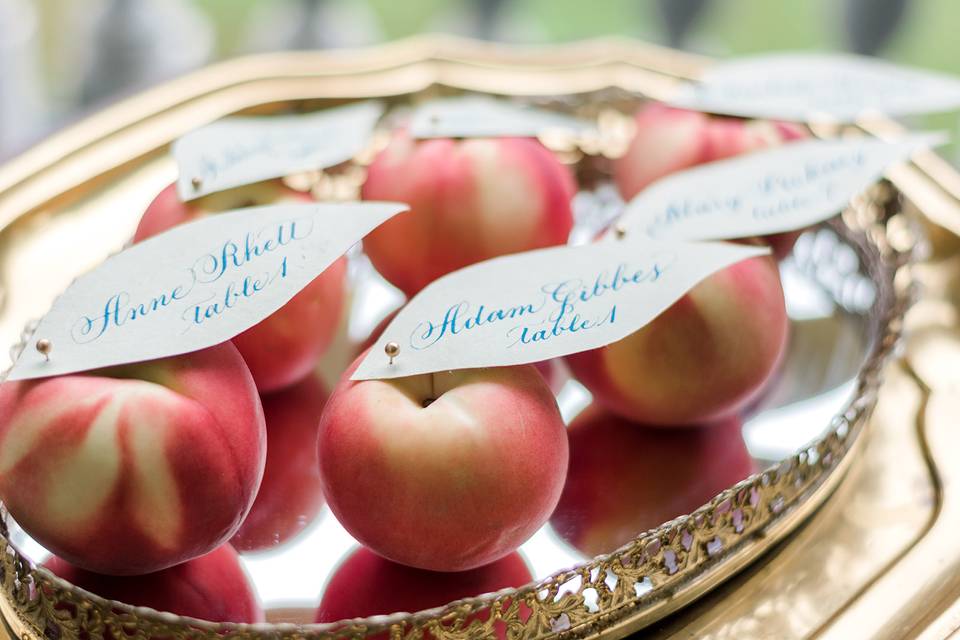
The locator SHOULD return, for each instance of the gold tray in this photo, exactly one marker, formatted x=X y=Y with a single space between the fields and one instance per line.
x=72 y=200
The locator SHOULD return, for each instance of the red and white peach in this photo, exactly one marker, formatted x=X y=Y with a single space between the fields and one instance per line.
x=446 y=471
x=212 y=587
x=135 y=468
x=284 y=347
x=290 y=496
x=470 y=200
x=626 y=478
x=366 y=585
x=668 y=140
x=703 y=358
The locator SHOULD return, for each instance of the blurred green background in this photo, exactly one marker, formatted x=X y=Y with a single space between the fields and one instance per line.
x=926 y=34
x=61 y=58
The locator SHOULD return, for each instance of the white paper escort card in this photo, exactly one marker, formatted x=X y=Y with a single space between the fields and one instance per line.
x=486 y=117
x=195 y=286
x=542 y=304
x=782 y=189
x=241 y=150
x=810 y=86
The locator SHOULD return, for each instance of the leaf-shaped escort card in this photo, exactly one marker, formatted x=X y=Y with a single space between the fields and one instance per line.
x=486 y=117
x=196 y=285
x=241 y=150
x=781 y=189
x=810 y=86
x=537 y=305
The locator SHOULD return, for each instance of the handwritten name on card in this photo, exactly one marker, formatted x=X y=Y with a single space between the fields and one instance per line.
x=195 y=286
x=542 y=304
x=782 y=189
x=242 y=150
x=485 y=117
x=810 y=86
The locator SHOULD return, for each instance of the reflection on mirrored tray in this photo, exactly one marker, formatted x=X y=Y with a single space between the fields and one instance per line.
x=622 y=480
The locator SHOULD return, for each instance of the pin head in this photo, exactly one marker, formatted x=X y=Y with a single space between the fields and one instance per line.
x=392 y=349
x=44 y=346
x=196 y=182
x=619 y=232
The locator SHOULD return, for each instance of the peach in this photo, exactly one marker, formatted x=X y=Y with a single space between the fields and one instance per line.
x=729 y=137
x=414 y=467
x=703 y=358
x=284 y=347
x=290 y=495
x=626 y=478
x=668 y=140
x=470 y=200
x=366 y=585
x=135 y=468
x=212 y=587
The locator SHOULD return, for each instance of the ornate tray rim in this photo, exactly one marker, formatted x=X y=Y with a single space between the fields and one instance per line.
x=768 y=505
